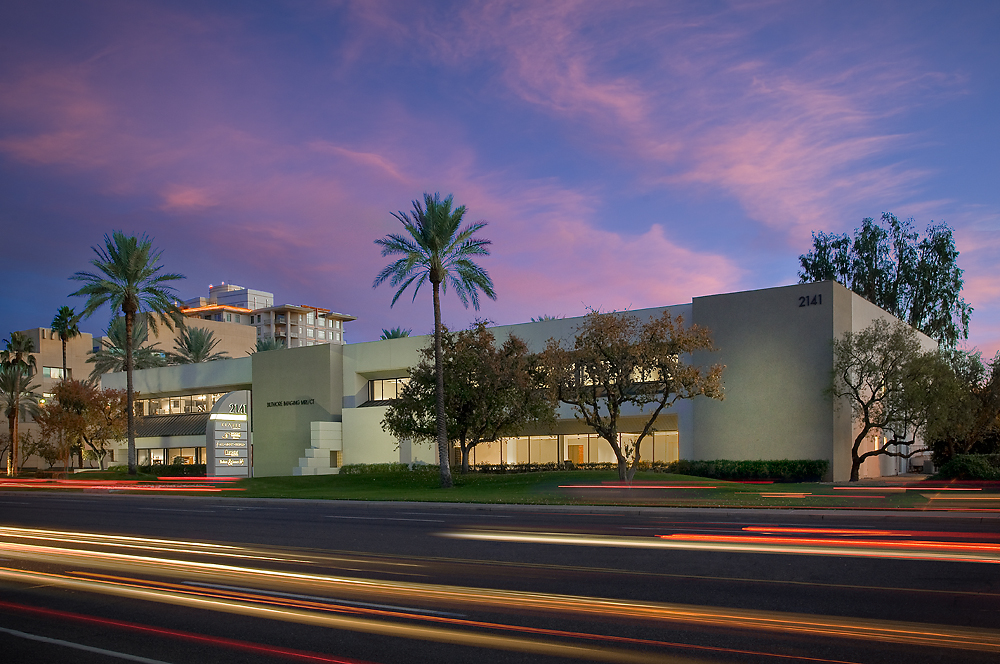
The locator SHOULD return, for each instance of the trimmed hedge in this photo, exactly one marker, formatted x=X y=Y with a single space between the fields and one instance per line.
x=168 y=470
x=778 y=470
x=782 y=470
x=386 y=468
x=971 y=467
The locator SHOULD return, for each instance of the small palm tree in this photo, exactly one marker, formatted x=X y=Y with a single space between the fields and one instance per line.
x=436 y=249
x=128 y=279
x=195 y=344
x=111 y=356
x=18 y=353
x=267 y=343
x=17 y=397
x=65 y=324
x=395 y=333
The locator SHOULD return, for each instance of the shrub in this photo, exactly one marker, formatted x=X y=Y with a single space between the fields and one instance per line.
x=386 y=468
x=971 y=467
x=778 y=470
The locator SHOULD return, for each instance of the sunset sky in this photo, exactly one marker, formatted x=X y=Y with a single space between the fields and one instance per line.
x=624 y=154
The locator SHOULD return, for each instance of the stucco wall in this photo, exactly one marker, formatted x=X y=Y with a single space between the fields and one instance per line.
x=777 y=356
x=199 y=378
x=281 y=431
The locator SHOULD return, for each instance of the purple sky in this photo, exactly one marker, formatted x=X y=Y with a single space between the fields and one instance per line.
x=623 y=158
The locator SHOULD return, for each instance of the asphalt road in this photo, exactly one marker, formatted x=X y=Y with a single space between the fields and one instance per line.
x=113 y=578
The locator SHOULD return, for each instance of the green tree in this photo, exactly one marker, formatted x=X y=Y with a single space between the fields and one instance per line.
x=65 y=324
x=129 y=279
x=18 y=398
x=616 y=360
x=915 y=279
x=438 y=249
x=265 y=344
x=195 y=344
x=490 y=392
x=893 y=387
x=111 y=356
x=395 y=333
x=81 y=412
x=969 y=422
x=18 y=352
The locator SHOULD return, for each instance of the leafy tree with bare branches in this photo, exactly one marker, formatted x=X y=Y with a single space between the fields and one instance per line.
x=619 y=360
x=893 y=387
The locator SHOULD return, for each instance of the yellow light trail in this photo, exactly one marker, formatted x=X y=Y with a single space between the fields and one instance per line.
x=963 y=552
x=492 y=599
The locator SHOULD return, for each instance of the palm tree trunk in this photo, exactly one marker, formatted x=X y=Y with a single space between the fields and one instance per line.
x=64 y=357
x=12 y=426
x=129 y=396
x=444 y=456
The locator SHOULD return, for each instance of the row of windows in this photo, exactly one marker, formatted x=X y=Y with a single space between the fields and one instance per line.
x=311 y=319
x=580 y=448
x=192 y=403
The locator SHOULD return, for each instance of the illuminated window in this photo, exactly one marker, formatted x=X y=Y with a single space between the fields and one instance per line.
x=53 y=372
x=386 y=389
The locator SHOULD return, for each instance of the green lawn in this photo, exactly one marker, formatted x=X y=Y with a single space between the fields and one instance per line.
x=578 y=487
x=592 y=488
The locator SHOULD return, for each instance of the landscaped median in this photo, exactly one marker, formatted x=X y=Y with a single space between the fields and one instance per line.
x=557 y=487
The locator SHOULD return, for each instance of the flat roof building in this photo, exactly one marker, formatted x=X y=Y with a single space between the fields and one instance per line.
x=313 y=408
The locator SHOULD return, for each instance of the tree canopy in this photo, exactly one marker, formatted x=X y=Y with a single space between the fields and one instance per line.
x=111 y=356
x=395 y=333
x=618 y=359
x=916 y=279
x=490 y=392
x=65 y=324
x=82 y=412
x=195 y=344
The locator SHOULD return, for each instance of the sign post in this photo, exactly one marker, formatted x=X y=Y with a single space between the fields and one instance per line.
x=227 y=438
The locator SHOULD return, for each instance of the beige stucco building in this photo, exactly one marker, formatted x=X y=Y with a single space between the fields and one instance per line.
x=313 y=409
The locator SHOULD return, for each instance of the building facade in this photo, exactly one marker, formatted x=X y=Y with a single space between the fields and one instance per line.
x=315 y=408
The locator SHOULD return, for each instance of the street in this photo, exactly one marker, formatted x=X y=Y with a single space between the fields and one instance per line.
x=105 y=578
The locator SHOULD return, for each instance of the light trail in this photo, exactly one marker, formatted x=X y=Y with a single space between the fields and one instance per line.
x=469 y=598
x=961 y=552
x=173 y=633
x=534 y=646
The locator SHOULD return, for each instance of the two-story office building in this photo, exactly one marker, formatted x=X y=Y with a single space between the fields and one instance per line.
x=312 y=409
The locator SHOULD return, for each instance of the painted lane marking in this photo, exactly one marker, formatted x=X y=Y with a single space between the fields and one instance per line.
x=80 y=646
x=382 y=518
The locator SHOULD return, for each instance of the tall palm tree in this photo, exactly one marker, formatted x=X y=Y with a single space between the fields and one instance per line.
x=111 y=356
x=129 y=281
x=17 y=396
x=65 y=324
x=435 y=249
x=195 y=344
x=18 y=353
